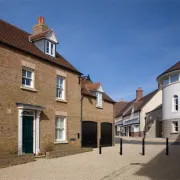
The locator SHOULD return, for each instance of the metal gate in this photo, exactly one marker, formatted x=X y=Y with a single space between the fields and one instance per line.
x=89 y=134
x=106 y=134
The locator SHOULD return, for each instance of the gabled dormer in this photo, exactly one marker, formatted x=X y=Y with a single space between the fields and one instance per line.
x=97 y=90
x=44 y=38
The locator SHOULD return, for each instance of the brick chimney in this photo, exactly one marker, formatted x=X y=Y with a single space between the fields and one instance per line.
x=139 y=93
x=40 y=27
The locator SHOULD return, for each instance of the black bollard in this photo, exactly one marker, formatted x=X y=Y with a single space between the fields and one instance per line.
x=100 y=146
x=167 y=146
x=121 y=152
x=143 y=147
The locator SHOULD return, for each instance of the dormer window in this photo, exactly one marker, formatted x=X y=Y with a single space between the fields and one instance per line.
x=99 y=99
x=50 y=48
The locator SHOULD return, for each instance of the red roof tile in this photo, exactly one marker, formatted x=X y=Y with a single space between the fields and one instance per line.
x=138 y=104
x=119 y=107
x=84 y=86
x=93 y=86
x=17 y=38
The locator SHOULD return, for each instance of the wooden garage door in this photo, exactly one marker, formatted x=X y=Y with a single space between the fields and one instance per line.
x=106 y=134
x=89 y=134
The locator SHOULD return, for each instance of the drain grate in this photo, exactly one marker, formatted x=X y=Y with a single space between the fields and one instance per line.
x=135 y=163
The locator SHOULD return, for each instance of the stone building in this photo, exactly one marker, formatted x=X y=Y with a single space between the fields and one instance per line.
x=97 y=115
x=40 y=93
x=153 y=123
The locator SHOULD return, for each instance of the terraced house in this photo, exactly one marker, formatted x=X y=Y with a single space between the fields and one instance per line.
x=41 y=102
x=40 y=93
x=130 y=117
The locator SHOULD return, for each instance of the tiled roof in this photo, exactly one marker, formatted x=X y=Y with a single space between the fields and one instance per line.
x=172 y=68
x=84 y=86
x=40 y=35
x=17 y=38
x=138 y=104
x=93 y=86
x=119 y=106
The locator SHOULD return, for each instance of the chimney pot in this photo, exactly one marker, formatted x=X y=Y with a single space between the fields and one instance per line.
x=40 y=27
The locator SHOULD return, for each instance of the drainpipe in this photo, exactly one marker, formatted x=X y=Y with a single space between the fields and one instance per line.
x=81 y=118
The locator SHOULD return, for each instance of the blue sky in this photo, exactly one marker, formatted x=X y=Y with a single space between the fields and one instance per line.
x=124 y=44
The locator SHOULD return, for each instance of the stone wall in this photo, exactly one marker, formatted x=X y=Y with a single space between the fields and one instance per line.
x=6 y=161
x=55 y=154
x=167 y=129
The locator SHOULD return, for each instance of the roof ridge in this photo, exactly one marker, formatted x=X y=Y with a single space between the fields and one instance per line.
x=15 y=26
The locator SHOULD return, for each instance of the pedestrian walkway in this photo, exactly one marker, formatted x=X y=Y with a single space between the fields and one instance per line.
x=154 y=165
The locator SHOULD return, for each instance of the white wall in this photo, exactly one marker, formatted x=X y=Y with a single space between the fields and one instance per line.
x=168 y=93
x=152 y=104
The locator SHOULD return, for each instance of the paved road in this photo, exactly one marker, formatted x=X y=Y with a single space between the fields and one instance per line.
x=155 y=165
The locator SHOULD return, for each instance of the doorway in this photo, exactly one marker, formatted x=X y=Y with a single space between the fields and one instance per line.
x=27 y=136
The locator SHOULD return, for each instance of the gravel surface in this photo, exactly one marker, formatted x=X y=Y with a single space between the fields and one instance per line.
x=109 y=165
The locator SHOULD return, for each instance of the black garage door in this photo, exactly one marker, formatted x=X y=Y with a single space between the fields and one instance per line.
x=106 y=134
x=89 y=134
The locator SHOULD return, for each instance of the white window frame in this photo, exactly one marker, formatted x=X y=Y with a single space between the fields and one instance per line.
x=174 y=127
x=59 y=128
x=166 y=79
x=172 y=76
x=32 y=77
x=58 y=87
x=99 y=99
x=50 y=48
x=174 y=104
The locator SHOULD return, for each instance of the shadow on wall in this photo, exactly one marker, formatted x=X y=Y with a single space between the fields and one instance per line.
x=90 y=100
x=43 y=116
x=163 y=167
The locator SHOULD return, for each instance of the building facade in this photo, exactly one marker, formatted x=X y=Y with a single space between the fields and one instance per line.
x=40 y=93
x=97 y=115
x=130 y=121
x=153 y=123
x=169 y=82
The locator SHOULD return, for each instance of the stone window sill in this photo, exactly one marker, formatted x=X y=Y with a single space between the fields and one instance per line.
x=61 y=100
x=174 y=133
x=99 y=107
x=61 y=142
x=28 y=89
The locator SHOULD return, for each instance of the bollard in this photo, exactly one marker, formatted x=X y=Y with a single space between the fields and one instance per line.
x=143 y=147
x=121 y=152
x=100 y=146
x=167 y=146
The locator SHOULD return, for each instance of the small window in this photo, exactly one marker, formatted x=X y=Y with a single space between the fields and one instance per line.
x=60 y=128
x=99 y=99
x=175 y=103
x=174 y=78
x=60 y=87
x=165 y=81
x=175 y=126
x=27 y=77
x=50 y=48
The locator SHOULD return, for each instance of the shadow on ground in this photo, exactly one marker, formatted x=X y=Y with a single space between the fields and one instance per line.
x=163 y=167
